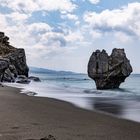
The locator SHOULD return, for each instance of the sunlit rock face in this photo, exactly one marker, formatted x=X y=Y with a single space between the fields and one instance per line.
x=12 y=60
x=109 y=72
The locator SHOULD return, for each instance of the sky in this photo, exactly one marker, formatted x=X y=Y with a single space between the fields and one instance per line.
x=62 y=34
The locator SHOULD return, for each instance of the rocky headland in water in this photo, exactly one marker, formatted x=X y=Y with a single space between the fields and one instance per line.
x=109 y=72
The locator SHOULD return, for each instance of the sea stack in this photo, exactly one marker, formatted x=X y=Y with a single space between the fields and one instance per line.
x=109 y=72
x=12 y=60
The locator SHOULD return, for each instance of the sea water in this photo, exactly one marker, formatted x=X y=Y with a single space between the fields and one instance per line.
x=80 y=90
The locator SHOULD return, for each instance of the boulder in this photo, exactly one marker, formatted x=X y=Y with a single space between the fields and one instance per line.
x=4 y=64
x=33 y=78
x=22 y=79
x=109 y=72
x=8 y=76
x=49 y=137
x=13 y=70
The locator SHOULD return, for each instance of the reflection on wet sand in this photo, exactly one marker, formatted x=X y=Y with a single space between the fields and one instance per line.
x=108 y=107
x=123 y=108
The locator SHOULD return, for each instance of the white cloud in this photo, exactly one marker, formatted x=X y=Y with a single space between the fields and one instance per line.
x=69 y=16
x=53 y=39
x=39 y=27
x=123 y=38
x=29 y=6
x=23 y=6
x=95 y=34
x=3 y=22
x=94 y=1
x=18 y=17
x=74 y=36
x=124 y=20
x=62 y=5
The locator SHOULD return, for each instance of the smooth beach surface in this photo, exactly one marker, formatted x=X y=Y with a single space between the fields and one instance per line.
x=25 y=117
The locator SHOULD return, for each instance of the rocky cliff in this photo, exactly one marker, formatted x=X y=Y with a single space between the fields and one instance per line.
x=12 y=60
x=109 y=72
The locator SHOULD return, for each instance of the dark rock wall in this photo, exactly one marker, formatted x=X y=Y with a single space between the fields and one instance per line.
x=18 y=59
x=12 y=60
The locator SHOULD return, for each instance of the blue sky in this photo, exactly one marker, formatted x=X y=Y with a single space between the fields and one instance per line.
x=62 y=34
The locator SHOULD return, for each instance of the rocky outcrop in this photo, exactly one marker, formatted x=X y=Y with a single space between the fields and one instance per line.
x=33 y=78
x=22 y=79
x=49 y=137
x=109 y=72
x=12 y=60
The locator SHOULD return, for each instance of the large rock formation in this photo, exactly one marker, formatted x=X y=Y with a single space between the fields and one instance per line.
x=12 y=60
x=109 y=72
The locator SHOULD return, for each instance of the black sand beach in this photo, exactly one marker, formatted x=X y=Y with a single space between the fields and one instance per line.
x=24 y=117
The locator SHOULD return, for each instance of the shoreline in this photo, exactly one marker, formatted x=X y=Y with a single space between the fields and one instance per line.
x=24 y=117
x=113 y=106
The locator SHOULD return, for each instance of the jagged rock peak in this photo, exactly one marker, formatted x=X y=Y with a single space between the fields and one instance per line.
x=5 y=47
x=109 y=72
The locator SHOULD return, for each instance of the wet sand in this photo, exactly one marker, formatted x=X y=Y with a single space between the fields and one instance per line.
x=24 y=117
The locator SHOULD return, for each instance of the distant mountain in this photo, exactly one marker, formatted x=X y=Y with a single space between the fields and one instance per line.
x=43 y=70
